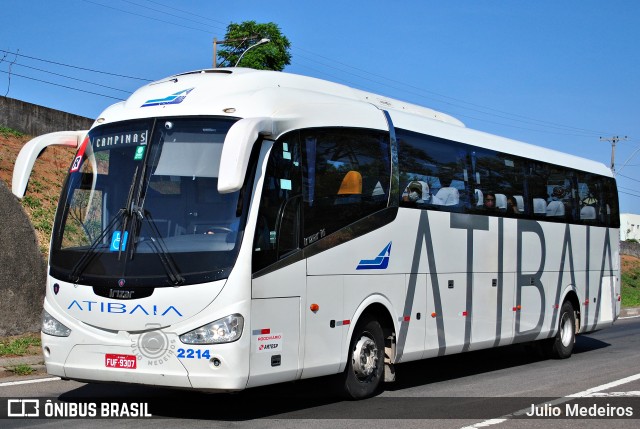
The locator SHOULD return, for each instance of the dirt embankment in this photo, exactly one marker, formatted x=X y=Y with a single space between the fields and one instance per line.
x=25 y=229
x=43 y=190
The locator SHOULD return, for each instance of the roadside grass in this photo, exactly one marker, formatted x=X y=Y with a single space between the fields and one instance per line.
x=8 y=132
x=28 y=344
x=631 y=289
x=22 y=369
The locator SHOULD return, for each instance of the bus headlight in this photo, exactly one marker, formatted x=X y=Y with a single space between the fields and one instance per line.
x=225 y=330
x=51 y=326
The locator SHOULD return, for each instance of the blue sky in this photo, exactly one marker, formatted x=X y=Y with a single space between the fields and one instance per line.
x=559 y=74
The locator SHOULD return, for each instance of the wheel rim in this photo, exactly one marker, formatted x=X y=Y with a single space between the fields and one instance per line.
x=566 y=330
x=365 y=358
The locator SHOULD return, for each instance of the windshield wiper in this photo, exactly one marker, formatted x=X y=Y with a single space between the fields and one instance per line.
x=90 y=254
x=159 y=247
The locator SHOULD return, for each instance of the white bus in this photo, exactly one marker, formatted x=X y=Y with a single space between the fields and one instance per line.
x=230 y=228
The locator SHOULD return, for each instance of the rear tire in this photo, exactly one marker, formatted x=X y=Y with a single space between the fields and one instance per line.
x=561 y=346
x=365 y=366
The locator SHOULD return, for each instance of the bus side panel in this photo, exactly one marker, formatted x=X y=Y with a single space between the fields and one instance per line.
x=323 y=339
x=453 y=292
x=416 y=291
x=484 y=310
x=275 y=340
x=606 y=302
x=390 y=288
x=604 y=274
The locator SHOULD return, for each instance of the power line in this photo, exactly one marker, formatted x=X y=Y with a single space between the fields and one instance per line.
x=525 y=119
x=73 y=78
x=456 y=102
x=178 y=10
x=624 y=164
x=184 y=11
x=146 y=17
x=628 y=189
x=9 y=73
x=63 y=86
x=546 y=130
x=626 y=193
x=627 y=177
x=76 y=67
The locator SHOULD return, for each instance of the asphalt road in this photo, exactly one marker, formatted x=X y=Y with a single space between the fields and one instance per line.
x=476 y=389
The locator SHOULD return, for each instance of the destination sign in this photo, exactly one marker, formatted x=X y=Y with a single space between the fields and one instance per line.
x=110 y=141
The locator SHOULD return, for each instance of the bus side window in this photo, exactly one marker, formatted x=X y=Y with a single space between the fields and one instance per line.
x=346 y=171
x=442 y=166
x=277 y=231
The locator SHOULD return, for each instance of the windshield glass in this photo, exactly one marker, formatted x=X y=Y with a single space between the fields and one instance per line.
x=141 y=204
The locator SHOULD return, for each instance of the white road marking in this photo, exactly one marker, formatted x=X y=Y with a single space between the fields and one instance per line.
x=589 y=393
x=629 y=317
x=36 y=380
x=616 y=383
x=615 y=394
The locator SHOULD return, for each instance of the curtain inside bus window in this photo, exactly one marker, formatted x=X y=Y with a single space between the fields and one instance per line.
x=189 y=159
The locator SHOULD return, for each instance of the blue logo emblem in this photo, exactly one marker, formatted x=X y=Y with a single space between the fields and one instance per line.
x=171 y=99
x=118 y=242
x=379 y=263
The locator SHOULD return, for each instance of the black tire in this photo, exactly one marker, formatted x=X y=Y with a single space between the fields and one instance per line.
x=364 y=378
x=561 y=346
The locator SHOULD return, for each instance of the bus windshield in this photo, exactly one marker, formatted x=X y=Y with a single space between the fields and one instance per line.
x=141 y=205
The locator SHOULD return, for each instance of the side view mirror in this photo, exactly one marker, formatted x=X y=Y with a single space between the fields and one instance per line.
x=236 y=151
x=33 y=148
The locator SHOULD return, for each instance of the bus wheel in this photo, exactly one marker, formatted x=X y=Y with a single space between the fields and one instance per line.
x=562 y=344
x=365 y=367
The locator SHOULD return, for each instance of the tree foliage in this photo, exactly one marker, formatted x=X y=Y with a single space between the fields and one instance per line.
x=268 y=56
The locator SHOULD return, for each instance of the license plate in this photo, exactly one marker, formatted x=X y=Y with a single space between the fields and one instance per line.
x=120 y=361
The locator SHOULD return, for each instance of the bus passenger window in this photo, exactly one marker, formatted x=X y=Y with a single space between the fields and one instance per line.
x=346 y=167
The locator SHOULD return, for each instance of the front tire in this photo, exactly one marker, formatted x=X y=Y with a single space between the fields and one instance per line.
x=365 y=367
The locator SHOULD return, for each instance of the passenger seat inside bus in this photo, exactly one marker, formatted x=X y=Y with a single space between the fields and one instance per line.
x=588 y=213
x=501 y=202
x=555 y=209
x=520 y=202
x=539 y=206
x=479 y=197
x=447 y=196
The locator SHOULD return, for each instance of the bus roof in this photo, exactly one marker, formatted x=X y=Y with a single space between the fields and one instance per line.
x=245 y=93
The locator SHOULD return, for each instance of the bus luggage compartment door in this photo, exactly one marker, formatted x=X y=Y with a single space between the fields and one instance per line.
x=275 y=337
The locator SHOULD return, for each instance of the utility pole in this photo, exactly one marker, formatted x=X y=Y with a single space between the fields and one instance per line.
x=613 y=140
x=216 y=42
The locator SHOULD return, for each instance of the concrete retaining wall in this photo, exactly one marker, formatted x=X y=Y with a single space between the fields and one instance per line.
x=35 y=120
x=629 y=248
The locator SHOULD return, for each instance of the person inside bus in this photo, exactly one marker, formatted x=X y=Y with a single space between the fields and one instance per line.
x=413 y=194
x=556 y=207
x=557 y=194
x=512 y=206
x=489 y=202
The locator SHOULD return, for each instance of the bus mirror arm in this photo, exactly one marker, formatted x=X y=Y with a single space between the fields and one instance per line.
x=236 y=151
x=32 y=149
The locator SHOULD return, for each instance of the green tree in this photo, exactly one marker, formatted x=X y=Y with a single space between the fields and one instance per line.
x=267 y=56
